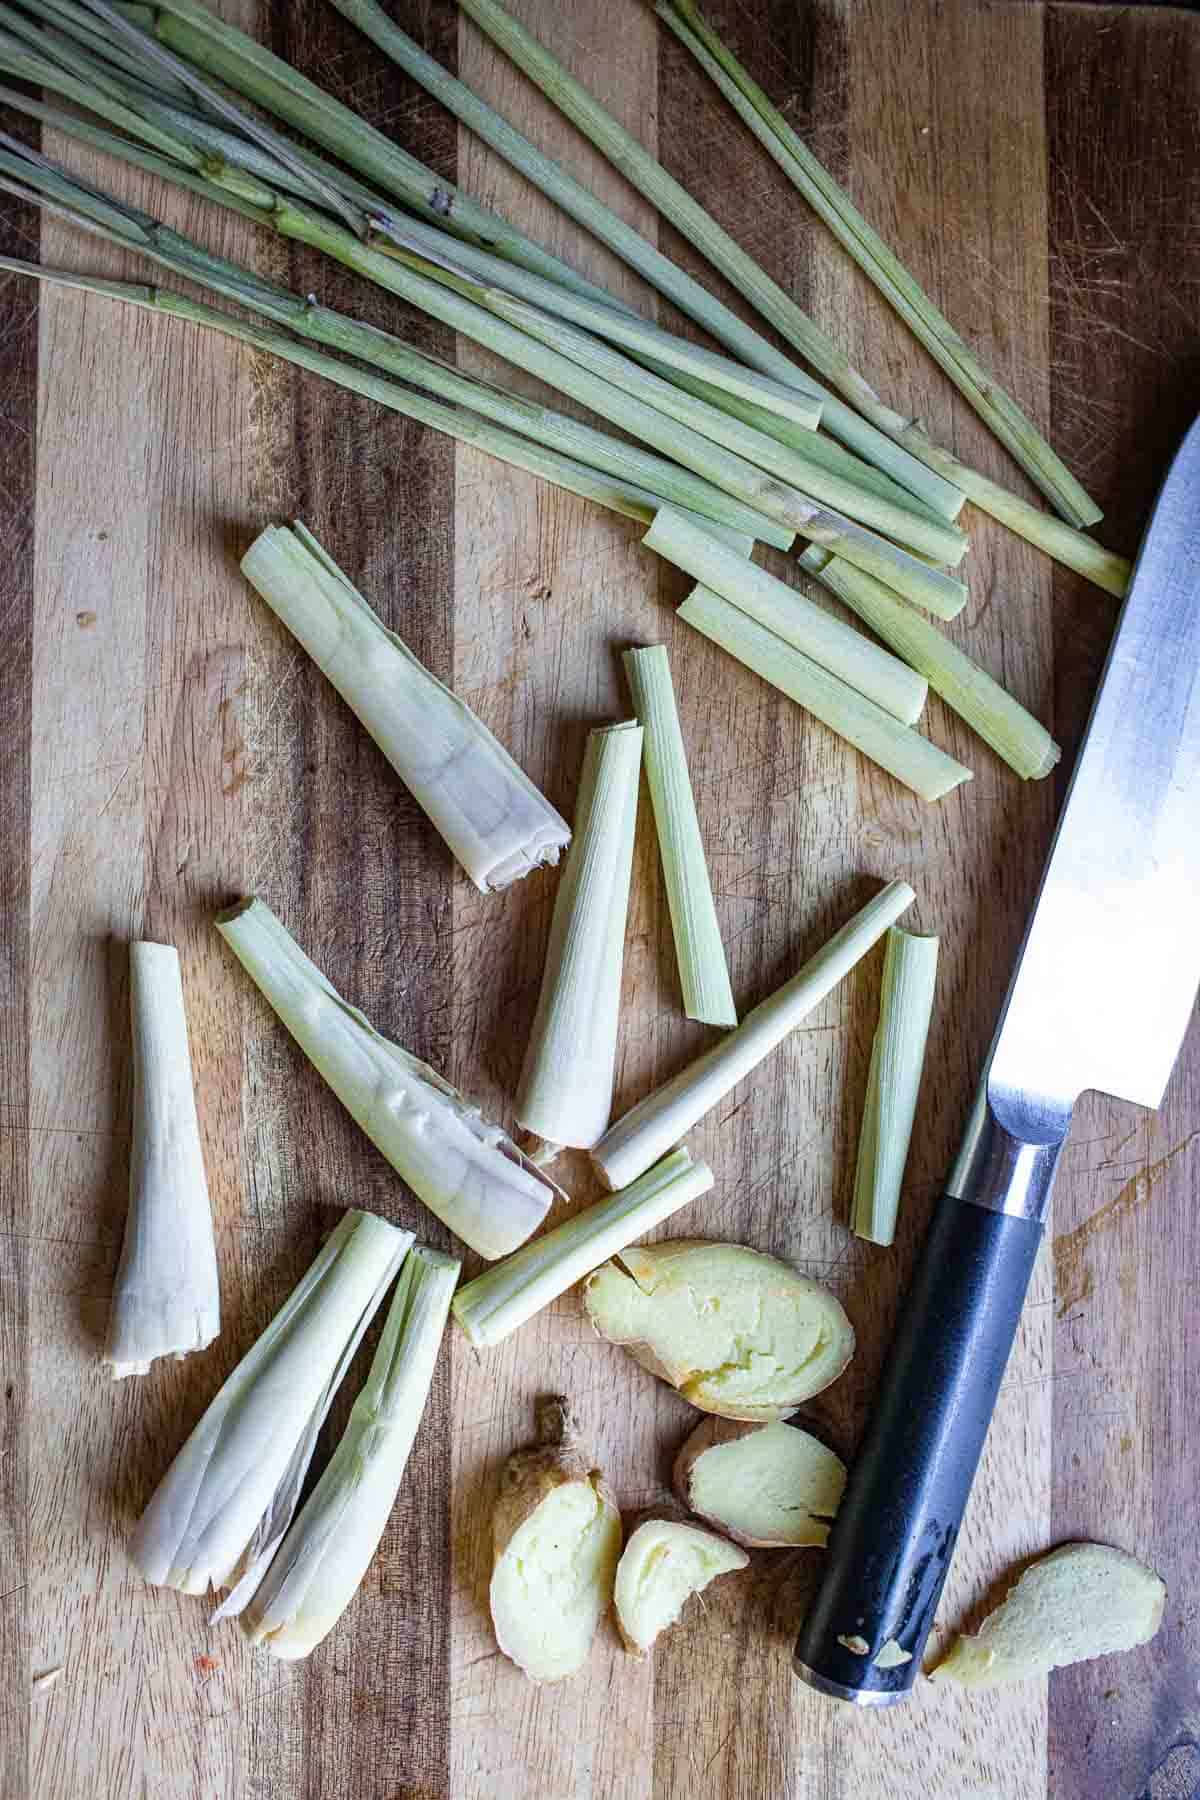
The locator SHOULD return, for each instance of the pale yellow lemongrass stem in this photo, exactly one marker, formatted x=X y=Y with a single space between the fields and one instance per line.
x=166 y=1299
x=897 y=748
x=989 y=709
x=638 y=1140
x=703 y=971
x=894 y=1082
x=565 y=1092
x=466 y=1170
x=501 y=1299
x=845 y=652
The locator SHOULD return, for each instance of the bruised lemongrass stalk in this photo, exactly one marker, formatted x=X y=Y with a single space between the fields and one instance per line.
x=1000 y=720
x=166 y=1299
x=219 y=1512
x=846 y=653
x=498 y=825
x=686 y=293
x=893 y=1082
x=876 y=431
x=833 y=204
x=703 y=971
x=637 y=1141
x=565 y=1091
x=897 y=748
x=468 y=1172
x=498 y=1301
x=198 y=35
x=316 y=1571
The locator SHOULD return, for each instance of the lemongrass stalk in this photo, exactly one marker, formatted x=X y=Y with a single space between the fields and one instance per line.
x=497 y=824
x=635 y=250
x=166 y=1298
x=894 y=1082
x=833 y=204
x=637 y=1141
x=77 y=23
x=219 y=1512
x=703 y=971
x=897 y=748
x=565 y=1091
x=839 y=648
x=491 y=1307
x=195 y=33
x=921 y=465
x=1001 y=721
x=606 y=321
x=317 y=1570
x=467 y=1171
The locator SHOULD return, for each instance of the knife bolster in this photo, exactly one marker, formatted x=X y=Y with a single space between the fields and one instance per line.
x=1004 y=1170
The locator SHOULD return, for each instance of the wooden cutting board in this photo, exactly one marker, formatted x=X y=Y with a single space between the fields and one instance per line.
x=167 y=747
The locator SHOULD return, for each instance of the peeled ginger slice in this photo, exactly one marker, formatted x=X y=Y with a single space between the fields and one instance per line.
x=768 y=1486
x=1080 y=1601
x=662 y=1566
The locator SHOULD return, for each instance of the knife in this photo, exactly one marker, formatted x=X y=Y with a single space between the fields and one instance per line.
x=1101 y=997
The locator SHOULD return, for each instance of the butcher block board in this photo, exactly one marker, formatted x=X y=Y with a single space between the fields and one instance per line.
x=167 y=747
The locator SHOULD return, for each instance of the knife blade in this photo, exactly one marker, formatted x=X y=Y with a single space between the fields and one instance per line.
x=1100 y=999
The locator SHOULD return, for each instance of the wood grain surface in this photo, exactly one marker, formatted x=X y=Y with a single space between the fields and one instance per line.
x=166 y=746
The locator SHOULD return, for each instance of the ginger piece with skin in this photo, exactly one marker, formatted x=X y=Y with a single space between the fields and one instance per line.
x=662 y=1566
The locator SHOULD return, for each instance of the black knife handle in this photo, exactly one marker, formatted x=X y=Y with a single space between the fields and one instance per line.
x=895 y=1531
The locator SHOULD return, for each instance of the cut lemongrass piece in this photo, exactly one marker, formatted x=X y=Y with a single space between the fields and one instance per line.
x=831 y=201
x=897 y=748
x=226 y=1501
x=1000 y=720
x=467 y=1171
x=565 y=1092
x=317 y=1569
x=893 y=1083
x=703 y=971
x=165 y=1300
x=871 y=430
x=501 y=1299
x=845 y=652
x=496 y=822
x=637 y=1141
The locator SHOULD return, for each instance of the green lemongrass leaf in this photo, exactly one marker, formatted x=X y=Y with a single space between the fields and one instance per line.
x=839 y=648
x=317 y=1569
x=497 y=824
x=76 y=22
x=831 y=201
x=1001 y=721
x=565 y=1091
x=703 y=971
x=492 y=1306
x=226 y=1501
x=198 y=35
x=467 y=1171
x=897 y=748
x=894 y=1081
x=638 y=1140
x=166 y=1299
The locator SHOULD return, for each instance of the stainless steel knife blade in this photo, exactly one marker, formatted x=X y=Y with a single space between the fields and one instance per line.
x=1107 y=976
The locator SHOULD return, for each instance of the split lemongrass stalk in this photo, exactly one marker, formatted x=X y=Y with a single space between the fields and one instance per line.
x=316 y=1571
x=166 y=1300
x=897 y=748
x=703 y=971
x=496 y=822
x=834 y=205
x=223 y=1506
x=876 y=431
x=686 y=293
x=565 y=1092
x=637 y=1141
x=501 y=1299
x=468 y=1172
x=893 y=1082
x=876 y=673
x=1001 y=721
